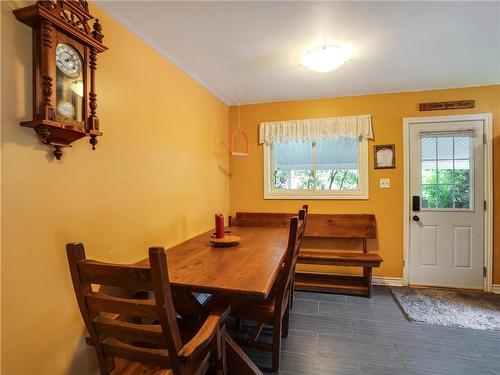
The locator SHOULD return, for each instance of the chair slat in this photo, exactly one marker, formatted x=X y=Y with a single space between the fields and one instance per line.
x=130 y=332
x=140 y=308
x=115 y=348
x=124 y=276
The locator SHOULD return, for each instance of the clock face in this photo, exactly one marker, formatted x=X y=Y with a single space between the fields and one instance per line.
x=68 y=60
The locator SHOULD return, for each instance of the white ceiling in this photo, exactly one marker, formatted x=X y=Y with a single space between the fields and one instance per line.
x=254 y=48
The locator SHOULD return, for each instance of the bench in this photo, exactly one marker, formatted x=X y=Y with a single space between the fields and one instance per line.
x=357 y=227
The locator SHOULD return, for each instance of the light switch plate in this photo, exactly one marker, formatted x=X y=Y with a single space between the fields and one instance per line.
x=384 y=183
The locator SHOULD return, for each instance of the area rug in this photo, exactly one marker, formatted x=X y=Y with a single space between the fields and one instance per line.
x=467 y=309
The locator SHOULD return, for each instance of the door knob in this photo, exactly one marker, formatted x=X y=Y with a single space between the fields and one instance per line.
x=415 y=218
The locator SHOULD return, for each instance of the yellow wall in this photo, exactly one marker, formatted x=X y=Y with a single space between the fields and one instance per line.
x=159 y=173
x=388 y=111
x=157 y=176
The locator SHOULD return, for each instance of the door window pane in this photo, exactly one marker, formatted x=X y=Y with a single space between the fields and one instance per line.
x=462 y=147
x=445 y=148
x=429 y=197
x=428 y=148
x=445 y=196
x=462 y=196
x=446 y=173
x=429 y=174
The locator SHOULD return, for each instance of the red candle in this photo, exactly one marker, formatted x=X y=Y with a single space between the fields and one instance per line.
x=219 y=226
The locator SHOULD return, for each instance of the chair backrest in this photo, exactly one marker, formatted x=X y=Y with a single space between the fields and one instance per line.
x=286 y=274
x=301 y=232
x=110 y=334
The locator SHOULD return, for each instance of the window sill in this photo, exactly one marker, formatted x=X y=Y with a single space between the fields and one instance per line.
x=315 y=197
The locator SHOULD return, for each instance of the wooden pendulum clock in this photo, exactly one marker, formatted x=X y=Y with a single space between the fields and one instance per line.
x=65 y=49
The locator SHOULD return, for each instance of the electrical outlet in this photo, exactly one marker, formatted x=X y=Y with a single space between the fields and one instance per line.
x=384 y=183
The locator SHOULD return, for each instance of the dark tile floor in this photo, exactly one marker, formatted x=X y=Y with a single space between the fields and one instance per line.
x=334 y=334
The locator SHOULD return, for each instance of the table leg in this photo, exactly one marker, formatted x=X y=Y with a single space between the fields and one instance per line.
x=186 y=304
x=238 y=362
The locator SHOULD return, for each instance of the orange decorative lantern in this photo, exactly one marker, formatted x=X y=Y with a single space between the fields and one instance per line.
x=241 y=134
x=238 y=133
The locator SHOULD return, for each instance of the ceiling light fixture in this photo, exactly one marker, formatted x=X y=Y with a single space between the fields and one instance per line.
x=325 y=58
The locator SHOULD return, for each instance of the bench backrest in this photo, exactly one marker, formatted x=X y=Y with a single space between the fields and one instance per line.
x=362 y=226
x=262 y=219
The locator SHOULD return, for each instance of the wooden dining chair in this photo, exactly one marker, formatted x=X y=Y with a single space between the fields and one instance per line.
x=273 y=311
x=142 y=330
x=302 y=216
x=273 y=219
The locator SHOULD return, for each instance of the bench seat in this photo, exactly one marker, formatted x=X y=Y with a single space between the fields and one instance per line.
x=341 y=284
x=340 y=258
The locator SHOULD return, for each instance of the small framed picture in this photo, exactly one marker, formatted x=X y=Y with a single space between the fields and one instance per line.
x=385 y=156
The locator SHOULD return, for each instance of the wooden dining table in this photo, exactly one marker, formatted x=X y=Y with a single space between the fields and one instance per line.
x=247 y=270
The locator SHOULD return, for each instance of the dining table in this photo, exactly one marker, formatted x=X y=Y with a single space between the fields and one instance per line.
x=246 y=270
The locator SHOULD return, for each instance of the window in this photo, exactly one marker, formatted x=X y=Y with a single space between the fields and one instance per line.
x=324 y=169
x=446 y=172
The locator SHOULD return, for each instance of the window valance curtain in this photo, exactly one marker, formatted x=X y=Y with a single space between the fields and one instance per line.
x=314 y=129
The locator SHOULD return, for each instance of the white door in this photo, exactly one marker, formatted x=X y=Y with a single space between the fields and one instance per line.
x=446 y=198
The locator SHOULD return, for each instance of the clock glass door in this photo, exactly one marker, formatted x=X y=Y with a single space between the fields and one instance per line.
x=69 y=93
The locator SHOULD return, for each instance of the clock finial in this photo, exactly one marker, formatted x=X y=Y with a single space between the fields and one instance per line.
x=97 y=34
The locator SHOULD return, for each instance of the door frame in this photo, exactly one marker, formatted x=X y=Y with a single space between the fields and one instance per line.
x=487 y=119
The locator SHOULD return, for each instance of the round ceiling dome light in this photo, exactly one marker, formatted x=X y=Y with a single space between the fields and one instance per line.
x=325 y=58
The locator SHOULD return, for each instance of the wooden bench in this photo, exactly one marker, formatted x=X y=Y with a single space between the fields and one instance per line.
x=359 y=227
x=355 y=227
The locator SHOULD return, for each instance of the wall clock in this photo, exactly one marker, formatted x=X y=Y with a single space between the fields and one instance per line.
x=65 y=49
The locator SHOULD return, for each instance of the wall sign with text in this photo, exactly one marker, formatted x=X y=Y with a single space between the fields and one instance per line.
x=458 y=104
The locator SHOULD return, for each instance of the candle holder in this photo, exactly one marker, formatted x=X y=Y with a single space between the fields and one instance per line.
x=227 y=241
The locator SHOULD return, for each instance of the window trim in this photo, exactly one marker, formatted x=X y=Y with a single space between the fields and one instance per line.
x=361 y=193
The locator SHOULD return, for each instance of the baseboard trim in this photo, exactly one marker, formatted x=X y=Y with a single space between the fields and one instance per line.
x=387 y=281
x=399 y=281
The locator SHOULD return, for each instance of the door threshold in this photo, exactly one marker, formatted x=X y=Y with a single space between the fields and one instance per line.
x=416 y=286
